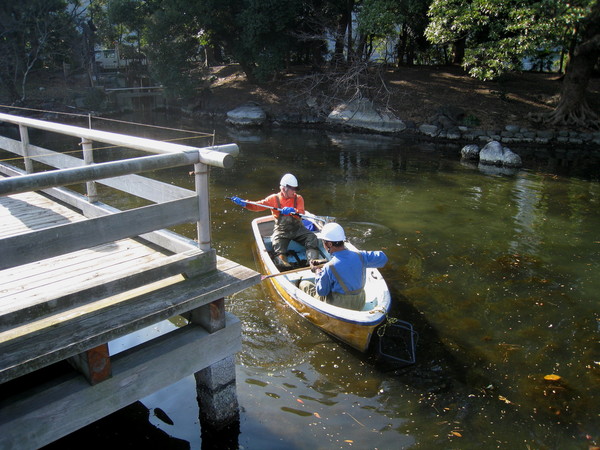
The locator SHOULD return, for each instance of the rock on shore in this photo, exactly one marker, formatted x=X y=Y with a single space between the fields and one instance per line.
x=362 y=114
x=493 y=153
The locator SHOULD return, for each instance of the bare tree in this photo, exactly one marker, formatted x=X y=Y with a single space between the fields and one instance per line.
x=356 y=81
x=30 y=32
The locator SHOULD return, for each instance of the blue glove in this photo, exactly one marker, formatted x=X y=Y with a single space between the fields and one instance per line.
x=238 y=201
x=288 y=210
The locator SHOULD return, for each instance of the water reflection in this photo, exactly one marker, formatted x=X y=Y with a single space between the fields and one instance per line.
x=527 y=195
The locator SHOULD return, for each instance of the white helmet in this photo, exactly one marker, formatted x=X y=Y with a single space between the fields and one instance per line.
x=289 y=180
x=332 y=232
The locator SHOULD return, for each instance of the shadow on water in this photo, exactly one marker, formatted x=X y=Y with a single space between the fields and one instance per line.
x=127 y=428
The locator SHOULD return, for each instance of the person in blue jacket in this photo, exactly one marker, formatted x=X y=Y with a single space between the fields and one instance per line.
x=341 y=281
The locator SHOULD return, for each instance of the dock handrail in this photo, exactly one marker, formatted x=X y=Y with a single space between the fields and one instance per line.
x=218 y=157
x=116 y=174
x=53 y=178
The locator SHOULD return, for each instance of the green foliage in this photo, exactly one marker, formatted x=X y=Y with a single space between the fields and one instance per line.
x=403 y=21
x=131 y=13
x=173 y=49
x=33 y=36
x=379 y=17
x=500 y=33
x=259 y=34
x=264 y=26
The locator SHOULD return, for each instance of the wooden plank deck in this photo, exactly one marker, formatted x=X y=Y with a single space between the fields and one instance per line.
x=41 y=302
x=58 y=308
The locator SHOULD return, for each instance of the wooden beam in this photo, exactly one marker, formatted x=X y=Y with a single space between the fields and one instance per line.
x=55 y=338
x=94 y=364
x=154 y=190
x=62 y=406
x=61 y=239
x=166 y=239
x=65 y=177
x=211 y=316
x=25 y=148
x=18 y=308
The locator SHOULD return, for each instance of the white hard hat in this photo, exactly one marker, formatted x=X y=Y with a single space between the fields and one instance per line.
x=332 y=232
x=289 y=180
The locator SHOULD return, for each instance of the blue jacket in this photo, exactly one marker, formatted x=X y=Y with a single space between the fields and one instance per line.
x=349 y=266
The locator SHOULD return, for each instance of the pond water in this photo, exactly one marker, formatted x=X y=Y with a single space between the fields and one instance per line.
x=497 y=271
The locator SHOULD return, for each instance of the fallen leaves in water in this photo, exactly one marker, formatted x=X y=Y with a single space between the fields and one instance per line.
x=552 y=377
x=505 y=400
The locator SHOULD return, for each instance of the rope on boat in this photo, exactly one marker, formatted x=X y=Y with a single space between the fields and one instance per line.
x=388 y=321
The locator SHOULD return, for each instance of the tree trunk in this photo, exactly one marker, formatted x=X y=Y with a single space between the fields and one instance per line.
x=362 y=51
x=410 y=54
x=401 y=48
x=338 y=55
x=350 y=31
x=572 y=108
x=214 y=57
x=459 y=51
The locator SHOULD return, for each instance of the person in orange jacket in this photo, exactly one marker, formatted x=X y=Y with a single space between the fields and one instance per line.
x=288 y=224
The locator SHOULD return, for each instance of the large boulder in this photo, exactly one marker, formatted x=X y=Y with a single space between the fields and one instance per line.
x=362 y=114
x=247 y=116
x=494 y=154
x=470 y=152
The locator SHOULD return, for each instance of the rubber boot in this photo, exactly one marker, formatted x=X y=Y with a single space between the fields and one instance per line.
x=281 y=262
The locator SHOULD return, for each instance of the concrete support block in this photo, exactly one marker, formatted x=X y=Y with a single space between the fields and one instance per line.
x=217 y=395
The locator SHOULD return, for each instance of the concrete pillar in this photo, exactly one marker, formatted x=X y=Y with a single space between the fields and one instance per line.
x=215 y=385
x=217 y=395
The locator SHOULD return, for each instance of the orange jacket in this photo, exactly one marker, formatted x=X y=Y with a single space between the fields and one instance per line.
x=295 y=202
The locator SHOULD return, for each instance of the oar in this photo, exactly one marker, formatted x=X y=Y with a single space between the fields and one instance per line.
x=299 y=269
x=304 y=216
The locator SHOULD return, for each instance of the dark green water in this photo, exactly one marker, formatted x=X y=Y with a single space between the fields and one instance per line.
x=498 y=273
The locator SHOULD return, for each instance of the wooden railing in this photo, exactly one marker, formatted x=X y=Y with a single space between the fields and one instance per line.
x=171 y=206
x=80 y=295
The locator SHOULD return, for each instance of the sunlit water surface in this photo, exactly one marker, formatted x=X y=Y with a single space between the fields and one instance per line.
x=497 y=270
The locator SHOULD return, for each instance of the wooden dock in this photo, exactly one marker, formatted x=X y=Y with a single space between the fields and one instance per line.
x=76 y=274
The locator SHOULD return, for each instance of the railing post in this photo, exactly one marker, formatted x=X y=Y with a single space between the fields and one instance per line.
x=201 y=178
x=88 y=158
x=25 y=147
